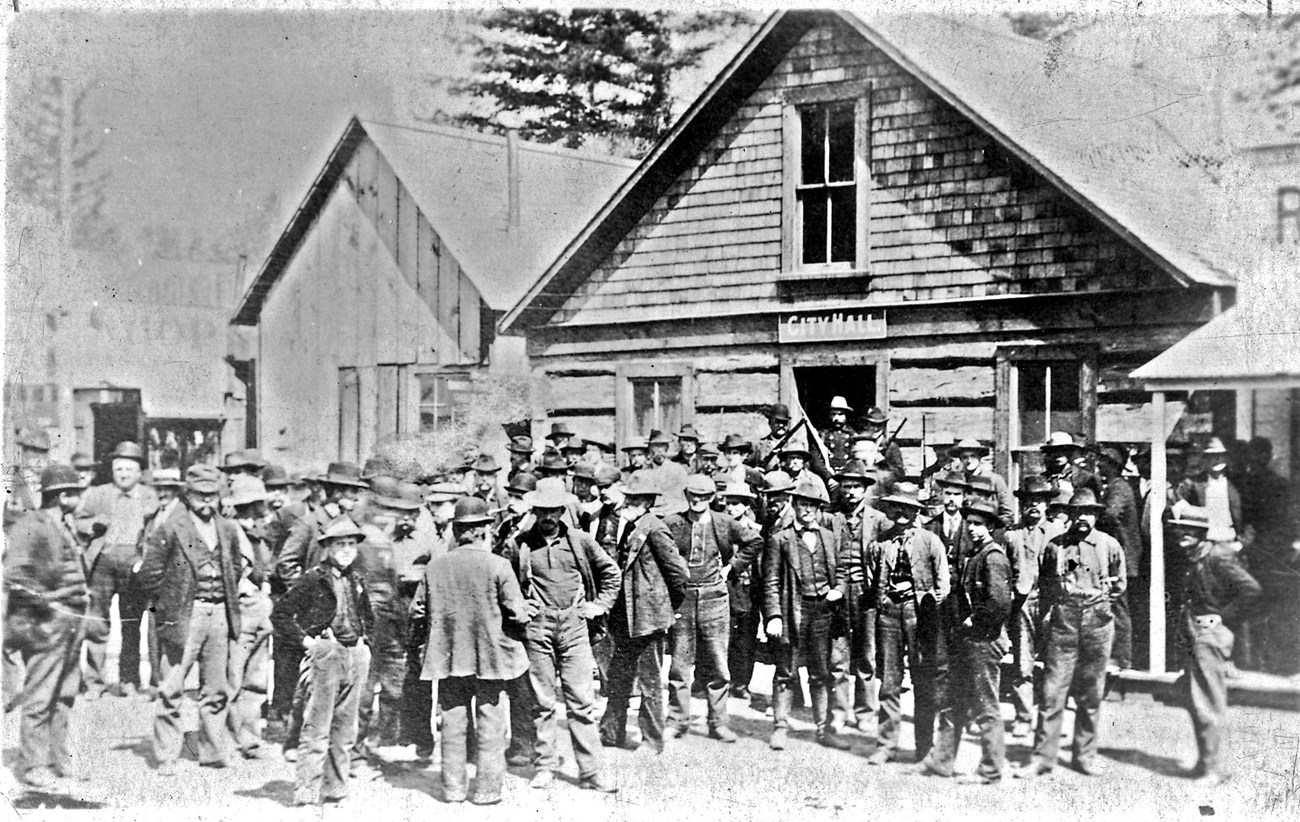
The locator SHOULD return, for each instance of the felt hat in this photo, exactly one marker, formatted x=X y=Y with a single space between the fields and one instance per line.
x=793 y=450
x=1035 y=486
x=952 y=479
x=777 y=482
x=245 y=490
x=1214 y=446
x=521 y=445
x=738 y=490
x=1061 y=440
x=472 y=511
x=388 y=493
x=377 y=467
x=875 y=416
x=583 y=471
x=550 y=493
x=34 y=439
x=970 y=445
x=81 y=461
x=411 y=494
x=980 y=484
x=235 y=461
x=985 y=509
x=840 y=404
x=640 y=484
x=778 y=412
x=127 y=450
x=735 y=442
x=57 y=478
x=636 y=444
x=688 y=432
x=905 y=494
x=857 y=470
x=1085 y=500
x=1192 y=519
x=1060 y=498
x=274 y=476
x=659 y=438
x=443 y=492
x=523 y=483
x=606 y=447
x=607 y=475
x=572 y=447
x=485 y=464
x=340 y=527
x=255 y=457
x=343 y=473
x=552 y=461
x=700 y=485
x=809 y=489
x=708 y=449
x=558 y=430
x=203 y=479
x=166 y=478
x=1113 y=456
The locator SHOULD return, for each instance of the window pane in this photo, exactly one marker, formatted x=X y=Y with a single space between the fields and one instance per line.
x=441 y=399
x=844 y=207
x=841 y=143
x=813 y=139
x=812 y=207
x=1044 y=384
x=1065 y=387
x=656 y=403
x=1032 y=402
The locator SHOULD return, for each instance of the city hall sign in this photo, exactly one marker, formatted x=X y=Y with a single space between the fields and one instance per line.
x=831 y=326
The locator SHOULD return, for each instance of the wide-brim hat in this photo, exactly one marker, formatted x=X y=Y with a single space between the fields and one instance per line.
x=523 y=483
x=688 y=432
x=236 y=461
x=735 y=442
x=856 y=470
x=338 y=528
x=552 y=461
x=641 y=484
x=57 y=478
x=708 y=449
x=388 y=493
x=347 y=474
x=583 y=471
x=81 y=461
x=485 y=464
x=127 y=450
x=970 y=444
x=980 y=484
x=377 y=467
x=1035 y=486
x=636 y=444
x=472 y=511
x=904 y=494
x=443 y=492
x=779 y=411
x=875 y=416
x=1085 y=500
x=1060 y=498
x=203 y=479
x=246 y=490
x=1113 y=456
x=559 y=429
x=952 y=479
x=521 y=445
x=840 y=404
x=166 y=478
x=1060 y=440
x=659 y=438
x=700 y=485
x=607 y=475
x=983 y=508
x=274 y=476
x=777 y=482
x=573 y=447
x=35 y=439
x=607 y=447
x=1214 y=446
x=809 y=489
x=550 y=493
x=738 y=490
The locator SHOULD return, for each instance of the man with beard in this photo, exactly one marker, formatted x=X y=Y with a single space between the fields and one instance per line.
x=192 y=566
x=1120 y=520
x=874 y=425
x=972 y=452
x=483 y=483
x=1061 y=454
x=853 y=656
x=1080 y=575
x=838 y=435
x=653 y=586
x=688 y=445
x=1025 y=544
x=909 y=567
x=669 y=477
x=716 y=548
x=778 y=423
x=637 y=452
x=568 y=581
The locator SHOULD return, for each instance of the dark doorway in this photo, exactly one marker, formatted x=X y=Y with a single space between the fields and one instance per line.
x=114 y=422
x=818 y=385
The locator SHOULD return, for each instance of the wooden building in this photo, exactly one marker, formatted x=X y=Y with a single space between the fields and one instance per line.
x=913 y=212
x=378 y=305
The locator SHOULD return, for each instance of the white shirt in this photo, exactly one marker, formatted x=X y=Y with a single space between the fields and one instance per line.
x=1216 y=500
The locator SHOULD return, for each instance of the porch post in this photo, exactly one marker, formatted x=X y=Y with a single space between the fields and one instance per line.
x=1159 y=481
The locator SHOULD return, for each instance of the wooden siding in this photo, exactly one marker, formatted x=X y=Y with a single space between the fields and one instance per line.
x=950 y=214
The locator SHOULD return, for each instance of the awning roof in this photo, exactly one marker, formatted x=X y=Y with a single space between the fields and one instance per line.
x=1251 y=345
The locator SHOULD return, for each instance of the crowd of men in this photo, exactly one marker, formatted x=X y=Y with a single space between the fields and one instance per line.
x=378 y=608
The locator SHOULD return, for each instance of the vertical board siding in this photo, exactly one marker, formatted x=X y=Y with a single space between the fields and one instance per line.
x=951 y=215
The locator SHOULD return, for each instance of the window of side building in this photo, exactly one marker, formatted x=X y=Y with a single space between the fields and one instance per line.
x=653 y=397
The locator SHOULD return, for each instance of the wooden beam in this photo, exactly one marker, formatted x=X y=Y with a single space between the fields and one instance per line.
x=1159 y=481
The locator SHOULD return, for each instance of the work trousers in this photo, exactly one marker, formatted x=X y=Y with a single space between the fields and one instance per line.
x=853 y=662
x=287 y=655
x=207 y=644
x=743 y=647
x=811 y=648
x=1078 y=638
x=1025 y=642
x=637 y=660
x=457 y=697
x=703 y=633
x=250 y=668
x=976 y=675
x=387 y=675
x=112 y=576
x=904 y=629
x=50 y=686
x=1207 y=684
x=523 y=723
x=560 y=664
x=417 y=703
x=329 y=719
x=1121 y=651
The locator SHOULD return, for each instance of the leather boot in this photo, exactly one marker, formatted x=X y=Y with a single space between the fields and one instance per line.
x=820 y=702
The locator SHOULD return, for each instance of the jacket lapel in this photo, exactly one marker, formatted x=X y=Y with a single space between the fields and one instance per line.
x=189 y=538
x=635 y=541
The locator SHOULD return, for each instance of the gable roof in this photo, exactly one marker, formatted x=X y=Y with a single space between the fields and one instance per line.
x=1116 y=147
x=459 y=181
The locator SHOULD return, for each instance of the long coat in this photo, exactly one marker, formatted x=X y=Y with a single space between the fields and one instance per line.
x=781 y=597
x=476 y=616
x=654 y=576
x=169 y=573
x=738 y=545
x=44 y=580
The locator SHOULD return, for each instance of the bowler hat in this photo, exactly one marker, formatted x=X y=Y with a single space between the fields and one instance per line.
x=485 y=464
x=777 y=482
x=985 y=509
x=203 y=479
x=235 y=461
x=875 y=416
x=735 y=442
x=1085 y=500
x=905 y=494
x=1035 y=486
x=559 y=429
x=472 y=511
x=274 y=476
x=809 y=489
x=127 y=450
x=1113 y=456
x=840 y=404
x=550 y=493
x=738 y=490
x=245 y=490
x=522 y=483
x=340 y=527
x=521 y=445
x=81 y=460
x=34 y=439
x=343 y=473
x=640 y=484
x=636 y=444
x=57 y=478
x=688 y=432
x=607 y=475
x=166 y=478
x=856 y=470
x=970 y=445
x=1061 y=440
x=700 y=485
x=779 y=412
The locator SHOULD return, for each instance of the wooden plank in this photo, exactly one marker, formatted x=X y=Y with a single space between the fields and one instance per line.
x=367 y=184
x=349 y=404
x=407 y=235
x=723 y=389
x=963 y=422
x=386 y=402
x=597 y=427
x=368 y=379
x=449 y=277
x=347 y=242
x=582 y=392
x=426 y=275
x=1123 y=422
x=386 y=185
x=471 y=345
x=927 y=384
x=714 y=427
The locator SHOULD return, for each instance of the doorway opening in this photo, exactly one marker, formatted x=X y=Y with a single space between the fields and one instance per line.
x=818 y=385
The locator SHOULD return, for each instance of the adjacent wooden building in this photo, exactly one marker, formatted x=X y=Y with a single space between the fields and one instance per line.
x=378 y=306
x=913 y=212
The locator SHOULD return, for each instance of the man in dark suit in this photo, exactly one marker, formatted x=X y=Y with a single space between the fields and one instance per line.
x=715 y=547
x=191 y=567
x=653 y=587
x=803 y=582
x=950 y=527
x=1120 y=520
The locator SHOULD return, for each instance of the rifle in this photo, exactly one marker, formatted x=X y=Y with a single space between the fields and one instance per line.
x=776 y=449
x=885 y=445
